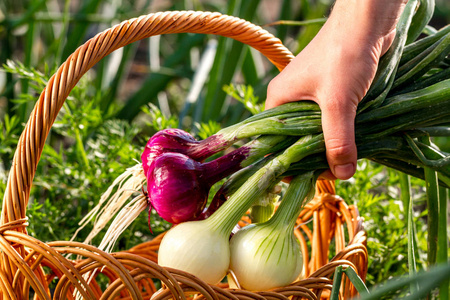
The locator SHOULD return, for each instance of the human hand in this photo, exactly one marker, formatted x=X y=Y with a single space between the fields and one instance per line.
x=336 y=70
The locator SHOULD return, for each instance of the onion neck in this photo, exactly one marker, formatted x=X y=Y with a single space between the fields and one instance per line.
x=209 y=146
x=228 y=215
x=236 y=180
x=244 y=156
x=266 y=122
x=300 y=191
x=224 y=166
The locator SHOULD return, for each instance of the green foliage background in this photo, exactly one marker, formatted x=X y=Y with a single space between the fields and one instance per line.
x=131 y=94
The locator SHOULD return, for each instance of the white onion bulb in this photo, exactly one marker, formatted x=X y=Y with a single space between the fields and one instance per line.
x=195 y=248
x=267 y=255
x=263 y=259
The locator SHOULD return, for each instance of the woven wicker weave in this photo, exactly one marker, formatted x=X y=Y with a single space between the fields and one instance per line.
x=28 y=266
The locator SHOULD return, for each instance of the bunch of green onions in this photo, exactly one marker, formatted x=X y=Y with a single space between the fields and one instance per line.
x=407 y=104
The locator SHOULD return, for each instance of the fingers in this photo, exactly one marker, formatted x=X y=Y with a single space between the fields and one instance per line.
x=387 y=42
x=273 y=92
x=338 y=115
x=294 y=83
x=338 y=119
x=281 y=88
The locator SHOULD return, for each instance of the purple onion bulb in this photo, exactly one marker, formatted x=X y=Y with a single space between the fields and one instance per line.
x=178 y=186
x=174 y=188
x=166 y=140
x=179 y=141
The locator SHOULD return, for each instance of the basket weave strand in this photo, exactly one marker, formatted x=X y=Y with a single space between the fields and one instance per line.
x=29 y=266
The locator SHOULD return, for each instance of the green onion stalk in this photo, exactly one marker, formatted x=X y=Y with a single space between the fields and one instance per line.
x=292 y=119
x=264 y=207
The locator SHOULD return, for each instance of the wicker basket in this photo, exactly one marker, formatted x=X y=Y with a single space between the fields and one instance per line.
x=28 y=266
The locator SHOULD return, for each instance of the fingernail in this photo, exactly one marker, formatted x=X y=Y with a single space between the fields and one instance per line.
x=344 y=171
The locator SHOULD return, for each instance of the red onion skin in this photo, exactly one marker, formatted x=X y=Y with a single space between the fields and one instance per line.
x=174 y=190
x=179 y=141
x=178 y=186
x=166 y=140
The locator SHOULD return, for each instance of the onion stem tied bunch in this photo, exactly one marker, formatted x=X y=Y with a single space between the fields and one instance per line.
x=409 y=98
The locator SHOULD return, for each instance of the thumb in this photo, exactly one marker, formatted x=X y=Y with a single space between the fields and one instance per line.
x=338 y=128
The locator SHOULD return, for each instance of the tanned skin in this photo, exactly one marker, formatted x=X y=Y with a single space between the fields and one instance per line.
x=336 y=70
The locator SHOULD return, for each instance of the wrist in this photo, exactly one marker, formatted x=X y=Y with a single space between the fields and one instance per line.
x=367 y=20
x=365 y=25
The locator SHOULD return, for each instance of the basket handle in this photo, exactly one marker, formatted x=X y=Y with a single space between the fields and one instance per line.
x=32 y=139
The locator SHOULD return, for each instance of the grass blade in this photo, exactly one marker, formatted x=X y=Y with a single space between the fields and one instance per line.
x=128 y=53
x=28 y=15
x=318 y=21
x=405 y=187
x=250 y=69
x=78 y=32
x=405 y=192
x=285 y=14
x=336 y=283
x=200 y=77
x=22 y=109
x=412 y=245
x=427 y=280
x=157 y=82
x=442 y=252
x=310 y=11
x=356 y=281
x=216 y=71
x=225 y=68
x=432 y=189
x=62 y=37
